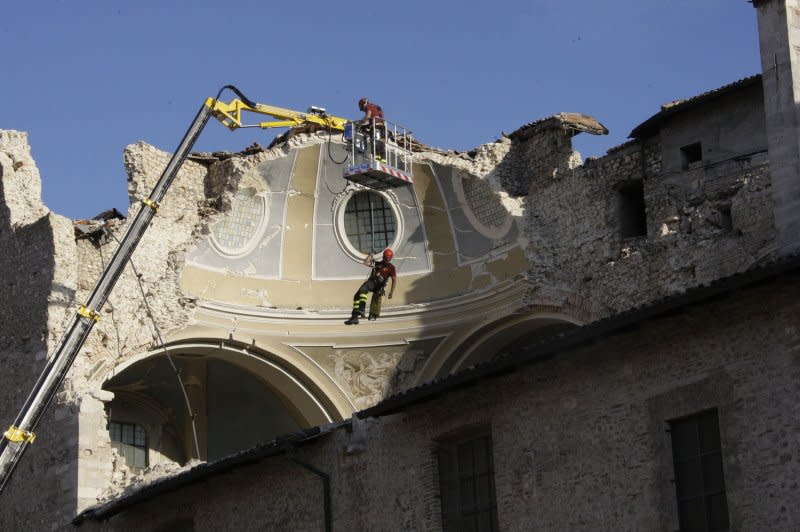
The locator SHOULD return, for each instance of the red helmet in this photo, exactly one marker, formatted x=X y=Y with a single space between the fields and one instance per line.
x=362 y=103
x=388 y=254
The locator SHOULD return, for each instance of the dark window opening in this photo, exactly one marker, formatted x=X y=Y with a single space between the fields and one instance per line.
x=691 y=153
x=369 y=222
x=466 y=483
x=699 y=479
x=632 y=212
x=725 y=219
x=131 y=442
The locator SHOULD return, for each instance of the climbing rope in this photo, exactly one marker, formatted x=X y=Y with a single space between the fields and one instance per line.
x=371 y=220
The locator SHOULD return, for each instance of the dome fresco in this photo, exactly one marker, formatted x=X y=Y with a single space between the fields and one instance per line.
x=307 y=216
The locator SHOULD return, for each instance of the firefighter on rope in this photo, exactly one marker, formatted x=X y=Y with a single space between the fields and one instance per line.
x=382 y=271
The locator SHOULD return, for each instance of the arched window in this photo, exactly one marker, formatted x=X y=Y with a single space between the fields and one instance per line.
x=130 y=441
x=369 y=222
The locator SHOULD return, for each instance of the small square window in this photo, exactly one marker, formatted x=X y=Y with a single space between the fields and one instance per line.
x=691 y=153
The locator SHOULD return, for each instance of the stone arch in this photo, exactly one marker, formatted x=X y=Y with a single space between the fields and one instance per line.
x=486 y=341
x=240 y=396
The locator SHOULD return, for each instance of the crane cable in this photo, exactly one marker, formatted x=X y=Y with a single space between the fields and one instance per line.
x=324 y=177
x=163 y=346
x=330 y=155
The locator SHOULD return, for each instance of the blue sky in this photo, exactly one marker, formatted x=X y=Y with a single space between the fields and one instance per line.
x=87 y=78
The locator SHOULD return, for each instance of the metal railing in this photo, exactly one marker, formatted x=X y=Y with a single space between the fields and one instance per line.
x=380 y=141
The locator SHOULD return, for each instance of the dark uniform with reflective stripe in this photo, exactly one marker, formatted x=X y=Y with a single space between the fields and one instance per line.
x=382 y=271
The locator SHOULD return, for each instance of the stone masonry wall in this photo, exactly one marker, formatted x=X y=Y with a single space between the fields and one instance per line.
x=146 y=302
x=46 y=275
x=703 y=223
x=547 y=154
x=581 y=261
x=38 y=273
x=579 y=442
x=779 y=37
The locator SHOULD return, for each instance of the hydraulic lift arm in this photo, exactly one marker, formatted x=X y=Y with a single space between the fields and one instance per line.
x=230 y=114
x=17 y=438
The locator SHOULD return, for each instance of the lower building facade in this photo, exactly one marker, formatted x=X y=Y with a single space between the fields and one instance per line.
x=682 y=415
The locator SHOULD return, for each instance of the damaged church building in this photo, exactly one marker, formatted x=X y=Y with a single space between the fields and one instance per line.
x=576 y=345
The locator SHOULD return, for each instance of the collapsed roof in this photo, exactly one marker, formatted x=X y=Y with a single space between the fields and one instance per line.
x=572 y=123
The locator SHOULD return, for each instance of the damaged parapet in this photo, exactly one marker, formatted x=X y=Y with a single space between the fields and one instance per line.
x=543 y=149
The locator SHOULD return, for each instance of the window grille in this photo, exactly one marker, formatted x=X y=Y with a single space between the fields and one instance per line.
x=466 y=481
x=369 y=222
x=484 y=203
x=131 y=442
x=237 y=229
x=699 y=478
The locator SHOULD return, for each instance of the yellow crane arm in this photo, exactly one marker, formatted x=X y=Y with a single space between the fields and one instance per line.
x=230 y=114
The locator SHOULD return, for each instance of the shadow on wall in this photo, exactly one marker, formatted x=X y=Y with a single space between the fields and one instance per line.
x=481 y=253
x=212 y=403
x=27 y=271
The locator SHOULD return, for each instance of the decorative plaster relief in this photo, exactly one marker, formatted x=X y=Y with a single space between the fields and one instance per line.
x=368 y=374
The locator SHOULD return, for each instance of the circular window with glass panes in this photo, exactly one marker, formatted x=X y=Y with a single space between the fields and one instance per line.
x=238 y=231
x=367 y=222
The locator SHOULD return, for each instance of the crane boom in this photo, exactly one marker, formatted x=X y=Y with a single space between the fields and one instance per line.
x=230 y=114
x=21 y=434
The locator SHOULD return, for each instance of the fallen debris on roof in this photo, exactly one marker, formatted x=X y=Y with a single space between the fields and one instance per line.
x=98 y=228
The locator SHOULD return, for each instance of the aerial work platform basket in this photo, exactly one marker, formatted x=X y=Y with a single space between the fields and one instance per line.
x=380 y=154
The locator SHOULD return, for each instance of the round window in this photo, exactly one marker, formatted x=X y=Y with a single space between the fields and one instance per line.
x=486 y=212
x=237 y=232
x=369 y=222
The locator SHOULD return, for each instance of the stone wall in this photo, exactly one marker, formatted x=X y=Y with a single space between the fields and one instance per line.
x=702 y=224
x=46 y=274
x=538 y=155
x=706 y=221
x=579 y=442
x=39 y=278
